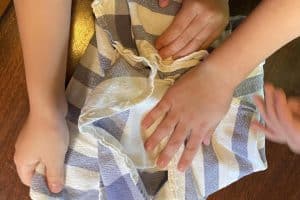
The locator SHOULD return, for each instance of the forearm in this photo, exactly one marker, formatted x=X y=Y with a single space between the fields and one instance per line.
x=44 y=32
x=271 y=25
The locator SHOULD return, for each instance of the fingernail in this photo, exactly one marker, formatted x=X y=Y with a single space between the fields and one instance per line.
x=55 y=187
x=181 y=168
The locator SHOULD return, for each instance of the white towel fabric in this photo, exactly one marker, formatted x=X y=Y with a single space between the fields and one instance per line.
x=120 y=78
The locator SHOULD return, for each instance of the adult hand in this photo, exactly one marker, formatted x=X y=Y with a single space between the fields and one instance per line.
x=196 y=26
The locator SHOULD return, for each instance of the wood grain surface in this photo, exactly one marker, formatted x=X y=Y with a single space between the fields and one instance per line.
x=280 y=181
x=3 y=6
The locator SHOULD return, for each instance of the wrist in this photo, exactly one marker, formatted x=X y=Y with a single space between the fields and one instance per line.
x=226 y=79
x=56 y=107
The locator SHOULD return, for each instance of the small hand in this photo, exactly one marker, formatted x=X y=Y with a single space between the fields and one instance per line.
x=282 y=117
x=43 y=139
x=196 y=26
x=192 y=108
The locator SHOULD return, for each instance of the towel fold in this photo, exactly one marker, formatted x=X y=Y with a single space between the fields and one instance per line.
x=120 y=78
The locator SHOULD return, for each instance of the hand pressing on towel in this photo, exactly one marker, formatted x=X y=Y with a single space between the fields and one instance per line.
x=282 y=117
x=192 y=108
x=43 y=139
x=196 y=26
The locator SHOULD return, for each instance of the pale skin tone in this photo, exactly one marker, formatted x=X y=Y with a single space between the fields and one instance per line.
x=282 y=117
x=195 y=26
x=194 y=113
x=44 y=137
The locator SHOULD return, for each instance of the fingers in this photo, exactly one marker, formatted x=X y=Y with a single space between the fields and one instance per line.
x=260 y=104
x=282 y=125
x=190 y=151
x=197 y=42
x=55 y=174
x=175 y=141
x=270 y=104
x=268 y=132
x=165 y=128
x=276 y=114
x=159 y=110
x=207 y=137
x=179 y=24
x=211 y=38
x=283 y=113
x=25 y=172
x=184 y=39
x=163 y=3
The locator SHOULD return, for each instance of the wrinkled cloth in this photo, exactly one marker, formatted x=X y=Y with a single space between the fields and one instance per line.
x=119 y=79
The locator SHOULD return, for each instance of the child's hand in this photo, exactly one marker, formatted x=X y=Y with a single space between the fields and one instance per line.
x=192 y=108
x=196 y=26
x=282 y=117
x=43 y=139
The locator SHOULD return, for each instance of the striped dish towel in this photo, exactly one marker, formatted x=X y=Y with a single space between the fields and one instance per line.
x=119 y=79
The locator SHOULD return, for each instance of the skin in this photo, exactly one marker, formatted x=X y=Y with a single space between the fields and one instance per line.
x=282 y=117
x=44 y=137
x=195 y=118
x=196 y=26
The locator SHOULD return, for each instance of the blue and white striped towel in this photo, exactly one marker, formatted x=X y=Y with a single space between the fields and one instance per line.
x=119 y=79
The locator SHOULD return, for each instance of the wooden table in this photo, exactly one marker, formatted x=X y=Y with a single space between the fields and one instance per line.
x=282 y=179
x=3 y=6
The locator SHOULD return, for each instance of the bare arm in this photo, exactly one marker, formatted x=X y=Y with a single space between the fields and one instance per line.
x=44 y=31
x=271 y=25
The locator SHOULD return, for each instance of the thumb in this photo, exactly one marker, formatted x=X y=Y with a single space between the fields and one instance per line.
x=163 y=3
x=55 y=173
